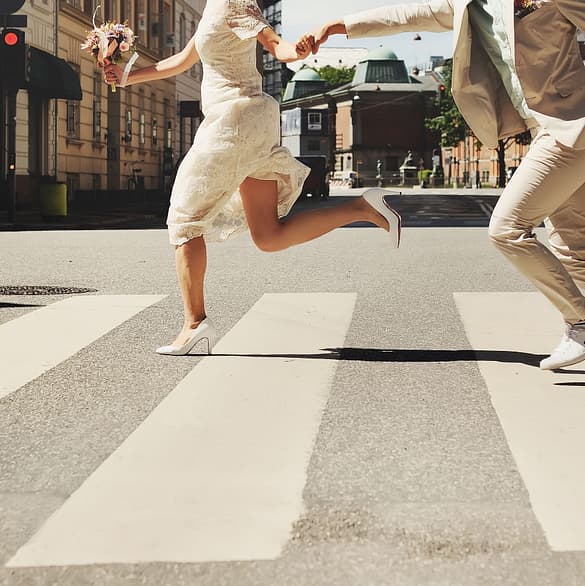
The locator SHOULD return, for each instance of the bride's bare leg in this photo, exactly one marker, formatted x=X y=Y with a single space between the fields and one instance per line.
x=270 y=234
x=191 y=262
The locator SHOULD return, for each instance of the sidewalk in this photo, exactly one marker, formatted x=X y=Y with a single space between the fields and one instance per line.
x=416 y=190
x=146 y=215
x=122 y=218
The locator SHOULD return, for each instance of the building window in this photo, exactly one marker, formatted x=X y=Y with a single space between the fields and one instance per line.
x=154 y=131
x=168 y=127
x=73 y=182
x=141 y=119
x=73 y=113
x=169 y=143
x=110 y=10
x=128 y=136
x=96 y=182
x=314 y=146
x=182 y=31
x=168 y=34
x=97 y=107
x=141 y=21
x=155 y=28
x=142 y=130
x=315 y=122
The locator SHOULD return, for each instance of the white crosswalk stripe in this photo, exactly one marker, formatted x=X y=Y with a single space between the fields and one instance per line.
x=216 y=472
x=542 y=414
x=38 y=341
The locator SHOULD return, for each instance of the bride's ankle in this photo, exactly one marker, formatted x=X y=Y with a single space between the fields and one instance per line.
x=192 y=324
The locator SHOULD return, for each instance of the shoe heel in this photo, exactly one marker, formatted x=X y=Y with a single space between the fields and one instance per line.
x=396 y=227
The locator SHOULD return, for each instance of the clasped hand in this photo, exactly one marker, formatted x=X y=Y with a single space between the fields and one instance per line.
x=310 y=42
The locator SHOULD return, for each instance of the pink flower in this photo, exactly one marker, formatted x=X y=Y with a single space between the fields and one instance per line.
x=124 y=46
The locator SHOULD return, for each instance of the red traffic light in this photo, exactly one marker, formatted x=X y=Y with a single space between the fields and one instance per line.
x=441 y=88
x=11 y=39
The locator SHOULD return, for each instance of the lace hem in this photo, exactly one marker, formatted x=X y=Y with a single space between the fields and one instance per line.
x=245 y=18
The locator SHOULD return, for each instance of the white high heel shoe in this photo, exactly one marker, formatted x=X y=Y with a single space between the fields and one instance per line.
x=204 y=331
x=375 y=197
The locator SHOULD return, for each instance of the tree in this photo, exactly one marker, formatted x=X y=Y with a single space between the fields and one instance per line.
x=449 y=122
x=453 y=128
x=336 y=76
x=524 y=138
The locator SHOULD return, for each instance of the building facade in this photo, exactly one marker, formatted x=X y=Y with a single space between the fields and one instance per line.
x=36 y=115
x=276 y=74
x=108 y=135
x=106 y=141
x=188 y=110
x=372 y=122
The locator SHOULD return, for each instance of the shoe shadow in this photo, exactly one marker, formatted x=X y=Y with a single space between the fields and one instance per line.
x=3 y=305
x=404 y=355
x=570 y=384
x=565 y=371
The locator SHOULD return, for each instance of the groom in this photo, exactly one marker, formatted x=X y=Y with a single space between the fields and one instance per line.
x=516 y=66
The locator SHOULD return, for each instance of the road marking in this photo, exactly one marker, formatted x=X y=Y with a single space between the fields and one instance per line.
x=542 y=413
x=217 y=470
x=38 y=341
x=486 y=208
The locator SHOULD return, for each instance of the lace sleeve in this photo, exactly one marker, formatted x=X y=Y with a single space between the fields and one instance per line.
x=245 y=18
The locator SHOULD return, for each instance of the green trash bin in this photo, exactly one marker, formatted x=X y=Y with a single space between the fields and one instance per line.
x=53 y=200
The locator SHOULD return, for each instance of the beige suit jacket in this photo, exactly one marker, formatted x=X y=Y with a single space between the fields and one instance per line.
x=547 y=59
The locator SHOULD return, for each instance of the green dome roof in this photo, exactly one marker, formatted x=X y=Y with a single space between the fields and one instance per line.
x=380 y=54
x=306 y=74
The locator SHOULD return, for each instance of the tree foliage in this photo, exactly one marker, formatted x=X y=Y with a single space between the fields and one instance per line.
x=449 y=122
x=336 y=76
x=453 y=128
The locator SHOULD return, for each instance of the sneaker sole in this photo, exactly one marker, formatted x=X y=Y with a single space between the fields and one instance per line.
x=567 y=363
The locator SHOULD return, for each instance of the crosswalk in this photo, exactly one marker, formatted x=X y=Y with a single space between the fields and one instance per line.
x=542 y=413
x=217 y=471
x=39 y=340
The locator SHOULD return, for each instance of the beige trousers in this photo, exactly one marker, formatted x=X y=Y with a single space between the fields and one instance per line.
x=549 y=183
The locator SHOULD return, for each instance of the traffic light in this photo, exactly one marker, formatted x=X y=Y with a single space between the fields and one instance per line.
x=441 y=92
x=13 y=59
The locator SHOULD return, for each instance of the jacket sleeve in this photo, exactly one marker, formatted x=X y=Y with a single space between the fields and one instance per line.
x=430 y=15
x=573 y=11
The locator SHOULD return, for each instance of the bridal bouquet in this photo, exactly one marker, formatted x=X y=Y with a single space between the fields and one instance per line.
x=524 y=7
x=108 y=42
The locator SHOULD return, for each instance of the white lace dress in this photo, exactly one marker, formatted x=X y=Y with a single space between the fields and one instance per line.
x=239 y=136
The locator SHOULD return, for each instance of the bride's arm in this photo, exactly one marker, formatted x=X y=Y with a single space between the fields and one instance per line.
x=169 y=67
x=283 y=50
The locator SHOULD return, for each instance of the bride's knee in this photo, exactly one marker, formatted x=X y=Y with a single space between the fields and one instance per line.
x=267 y=240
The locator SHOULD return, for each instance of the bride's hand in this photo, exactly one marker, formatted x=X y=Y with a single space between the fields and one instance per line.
x=304 y=46
x=112 y=74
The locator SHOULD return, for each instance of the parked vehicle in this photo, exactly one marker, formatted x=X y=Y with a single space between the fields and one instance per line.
x=317 y=183
x=346 y=179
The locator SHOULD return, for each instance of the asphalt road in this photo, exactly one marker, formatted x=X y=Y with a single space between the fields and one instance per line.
x=411 y=476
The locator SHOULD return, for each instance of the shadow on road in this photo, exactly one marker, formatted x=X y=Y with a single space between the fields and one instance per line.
x=404 y=355
x=4 y=305
x=420 y=210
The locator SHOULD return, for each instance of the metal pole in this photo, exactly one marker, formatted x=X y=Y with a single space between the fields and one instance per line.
x=11 y=107
x=55 y=106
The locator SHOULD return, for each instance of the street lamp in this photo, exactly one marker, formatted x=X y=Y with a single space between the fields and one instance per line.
x=416 y=37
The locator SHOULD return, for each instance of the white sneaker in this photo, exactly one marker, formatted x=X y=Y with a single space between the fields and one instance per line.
x=570 y=350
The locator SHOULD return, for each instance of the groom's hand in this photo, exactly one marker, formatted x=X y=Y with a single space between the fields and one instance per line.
x=321 y=35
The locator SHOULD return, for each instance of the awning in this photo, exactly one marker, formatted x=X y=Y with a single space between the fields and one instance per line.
x=52 y=77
